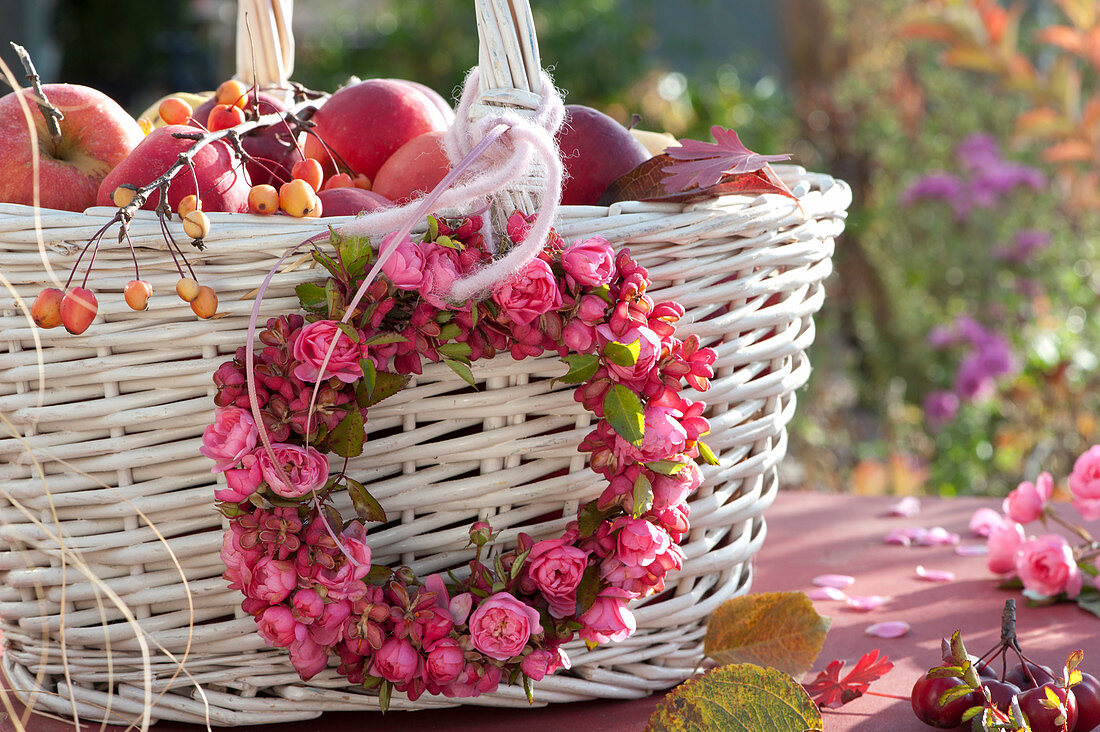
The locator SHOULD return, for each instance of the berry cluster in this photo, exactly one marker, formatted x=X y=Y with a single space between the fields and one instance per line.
x=1024 y=696
x=306 y=573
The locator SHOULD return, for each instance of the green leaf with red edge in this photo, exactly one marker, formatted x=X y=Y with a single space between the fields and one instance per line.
x=642 y=495
x=355 y=254
x=624 y=413
x=647 y=183
x=386 y=384
x=366 y=506
x=777 y=629
x=582 y=367
x=706 y=454
x=346 y=439
x=311 y=296
x=737 y=698
x=462 y=369
x=588 y=589
x=623 y=354
x=330 y=264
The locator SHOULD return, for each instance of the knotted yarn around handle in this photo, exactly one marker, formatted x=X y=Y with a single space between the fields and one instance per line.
x=479 y=172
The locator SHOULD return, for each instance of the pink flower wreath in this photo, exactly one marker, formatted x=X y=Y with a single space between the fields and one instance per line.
x=306 y=574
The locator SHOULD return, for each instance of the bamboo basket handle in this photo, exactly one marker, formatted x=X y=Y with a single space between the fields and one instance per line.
x=265 y=43
x=510 y=76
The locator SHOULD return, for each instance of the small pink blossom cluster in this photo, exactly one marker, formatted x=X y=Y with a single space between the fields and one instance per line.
x=1047 y=565
x=306 y=575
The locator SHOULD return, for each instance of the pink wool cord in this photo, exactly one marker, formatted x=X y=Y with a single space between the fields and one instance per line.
x=494 y=168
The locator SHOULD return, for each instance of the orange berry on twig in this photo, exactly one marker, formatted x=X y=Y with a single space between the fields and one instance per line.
x=298 y=198
x=78 y=310
x=187 y=289
x=175 y=111
x=263 y=199
x=224 y=116
x=46 y=310
x=206 y=304
x=232 y=92
x=196 y=224
x=137 y=293
x=310 y=171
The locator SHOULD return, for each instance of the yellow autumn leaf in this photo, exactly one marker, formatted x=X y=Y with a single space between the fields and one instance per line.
x=777 y=629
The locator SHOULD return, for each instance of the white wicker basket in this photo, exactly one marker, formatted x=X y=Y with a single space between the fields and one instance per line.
x=106 y=506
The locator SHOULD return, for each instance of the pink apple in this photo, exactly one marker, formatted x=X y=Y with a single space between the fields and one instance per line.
x=436 y=98
x=596 y=150
x=365 y=123
x=415 y=168
x=96 y=135
x=223 y=185
x=349 y=200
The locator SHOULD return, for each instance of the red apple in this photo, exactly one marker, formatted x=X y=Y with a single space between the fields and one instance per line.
x=223 y=185
x=435 y=97
x=349 y=200
x=596 y=150
x=414 y=169
x=365 y=123
x=96 y=135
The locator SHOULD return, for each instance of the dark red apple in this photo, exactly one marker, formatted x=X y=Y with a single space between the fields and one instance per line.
x=595 y=150
x=96 y=134
x=349 y=201
x=273 y=147
x=223 y=185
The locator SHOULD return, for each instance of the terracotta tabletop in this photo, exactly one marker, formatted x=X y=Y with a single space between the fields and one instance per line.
x=808 y=534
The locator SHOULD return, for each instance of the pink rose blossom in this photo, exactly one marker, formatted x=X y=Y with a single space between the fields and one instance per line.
x=670 y=490
x=306 y=468
x=537 y=664
x=308 y=657
x=639 y=541
x=232 y=436
x=649 y=350
x=1025 y=504
x=1084 y=484
x=276 y=626
x=608 y=619
x=556 y=569
x=984 y=520
x=530 y=293
x=664 y=436
x=440 y=272
x=396 y=661
x=501 y=626
x=241 y=482
x=578 y=336
x=307 y=605
x=405 y=267
x=311 y=344
x=590 y=263
x=445 y=661
x=1003 y=542
x=327 y=630
x=345 y=578
x=271 y=580
x=1046 y=566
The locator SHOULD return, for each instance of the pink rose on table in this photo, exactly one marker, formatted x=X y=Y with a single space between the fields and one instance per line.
x=405 y=267
x=590 y=263
x=556 y=568
x=638 y=541
x=396 y=661
x=529 y=293
x=1003 y=541
x=1046 y=566
x=1026 y=502
x=501 y=626
x=311 y=345
x=232 y=436
x=649 y=350
x=608 y=619
x=271 y=580
x=305 y=467
x=1084 y=484
x=241 y=482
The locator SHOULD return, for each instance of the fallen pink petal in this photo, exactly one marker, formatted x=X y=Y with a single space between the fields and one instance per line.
x=888 y=629
x=935 y=575
x=972 y=550
x=938 y=536
x=826 y=593
x=897 y=536
x=907 y=507
x=983 y=520
x=867 y=603
x=838 y=581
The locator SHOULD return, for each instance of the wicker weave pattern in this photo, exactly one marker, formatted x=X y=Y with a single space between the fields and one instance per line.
x=110 y=425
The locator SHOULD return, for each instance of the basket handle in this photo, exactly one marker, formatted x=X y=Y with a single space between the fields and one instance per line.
x=265 y=42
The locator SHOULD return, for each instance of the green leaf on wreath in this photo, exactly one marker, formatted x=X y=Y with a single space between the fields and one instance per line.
x=346 y=439
x=528 y=689
x=462 y=370
x=329 y=263
x=335 y=299
x=365 y=387
x=643 y=495
x=624 y=413
x=349 y=330
x=379 y=339
x=355 y=254
x=706 y=453
x=590 y=517
x=449 y=331
x=582 y=367
x=623 y=354
x=737 y=698
x=311 y=296
x=777 y=629
x=456 y=350
x=517 y=564
x=386 y=384
x=588 y=589
x=366 y=506
x=666 y=467
x=385 y=690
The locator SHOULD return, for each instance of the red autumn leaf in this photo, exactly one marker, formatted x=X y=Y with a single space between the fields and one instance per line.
x=829 y=690
x=647 y=182
x=703 y=164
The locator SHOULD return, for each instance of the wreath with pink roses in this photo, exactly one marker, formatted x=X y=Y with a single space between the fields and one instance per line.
x=283 y=408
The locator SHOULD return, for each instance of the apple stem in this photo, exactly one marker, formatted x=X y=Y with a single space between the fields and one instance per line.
x=52 y=114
